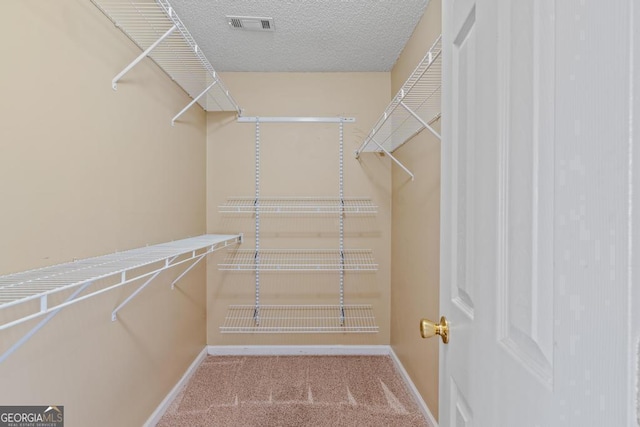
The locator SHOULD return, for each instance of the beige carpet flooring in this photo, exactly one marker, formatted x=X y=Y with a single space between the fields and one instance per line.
x=295 y=391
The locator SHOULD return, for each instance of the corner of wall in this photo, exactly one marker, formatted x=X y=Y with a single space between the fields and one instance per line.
x=416 y=229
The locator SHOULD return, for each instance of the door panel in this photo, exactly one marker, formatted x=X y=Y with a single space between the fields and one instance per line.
x=537 y=217
x=525 y=214
x=500 y=303
x=501 y=131
x=460 y=410
x=464 y=88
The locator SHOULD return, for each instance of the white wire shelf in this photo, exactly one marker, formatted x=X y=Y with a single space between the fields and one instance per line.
x=299 y=205
x=358 y=260
x=126 y=267
x=147 y=22
x=300 y=319
x=414 y=108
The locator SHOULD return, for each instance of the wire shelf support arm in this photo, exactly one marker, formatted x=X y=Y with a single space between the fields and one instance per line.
x=144 y=54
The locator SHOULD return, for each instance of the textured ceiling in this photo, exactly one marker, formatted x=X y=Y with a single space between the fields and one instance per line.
x=310 y=35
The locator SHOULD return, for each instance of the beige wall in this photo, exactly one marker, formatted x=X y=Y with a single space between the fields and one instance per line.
x=416 y=230
x=300 y=160
x=86 y=171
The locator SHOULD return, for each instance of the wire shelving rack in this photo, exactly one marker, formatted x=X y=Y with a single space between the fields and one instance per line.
x=300 y=205
x=415 y=107
x=45 y=291
x=157 y=30
x=259 y=318
x=300 y=319
x=41 y=283
x=300 y=260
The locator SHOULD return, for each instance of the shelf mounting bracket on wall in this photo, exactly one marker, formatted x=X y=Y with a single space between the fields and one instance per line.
x=418 y=118
x=144 y=54
x=193 y=101
x=184 y=273
x=167 y=264
x=392 y=157
x=43 y=322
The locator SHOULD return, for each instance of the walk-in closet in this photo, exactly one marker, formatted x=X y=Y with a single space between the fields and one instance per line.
x=318 y=213
x=185 y=210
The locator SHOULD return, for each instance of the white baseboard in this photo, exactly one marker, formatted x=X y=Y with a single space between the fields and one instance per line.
x=164 y=405
x=298 y=350
x=412 y=387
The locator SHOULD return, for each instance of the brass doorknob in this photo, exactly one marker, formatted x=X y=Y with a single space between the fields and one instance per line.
x=429 y=329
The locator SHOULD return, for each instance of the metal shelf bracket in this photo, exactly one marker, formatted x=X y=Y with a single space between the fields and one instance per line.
x=43 y=322
x=145 y=53
x=392 y=157
x=137 y=291
x=422 y=122
x=173 y=121
x=184 y=273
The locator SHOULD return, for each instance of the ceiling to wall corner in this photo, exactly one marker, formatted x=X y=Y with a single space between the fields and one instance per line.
x=306 y=35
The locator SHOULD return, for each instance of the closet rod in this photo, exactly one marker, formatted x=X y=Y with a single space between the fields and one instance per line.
x=296 y=119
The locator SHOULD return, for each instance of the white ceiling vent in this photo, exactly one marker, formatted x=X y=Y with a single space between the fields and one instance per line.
x=251 y=23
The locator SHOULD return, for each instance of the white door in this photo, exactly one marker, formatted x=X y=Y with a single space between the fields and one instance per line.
x=536 y=246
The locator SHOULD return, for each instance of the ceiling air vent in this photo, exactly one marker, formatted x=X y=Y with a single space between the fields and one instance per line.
x=251 y=23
